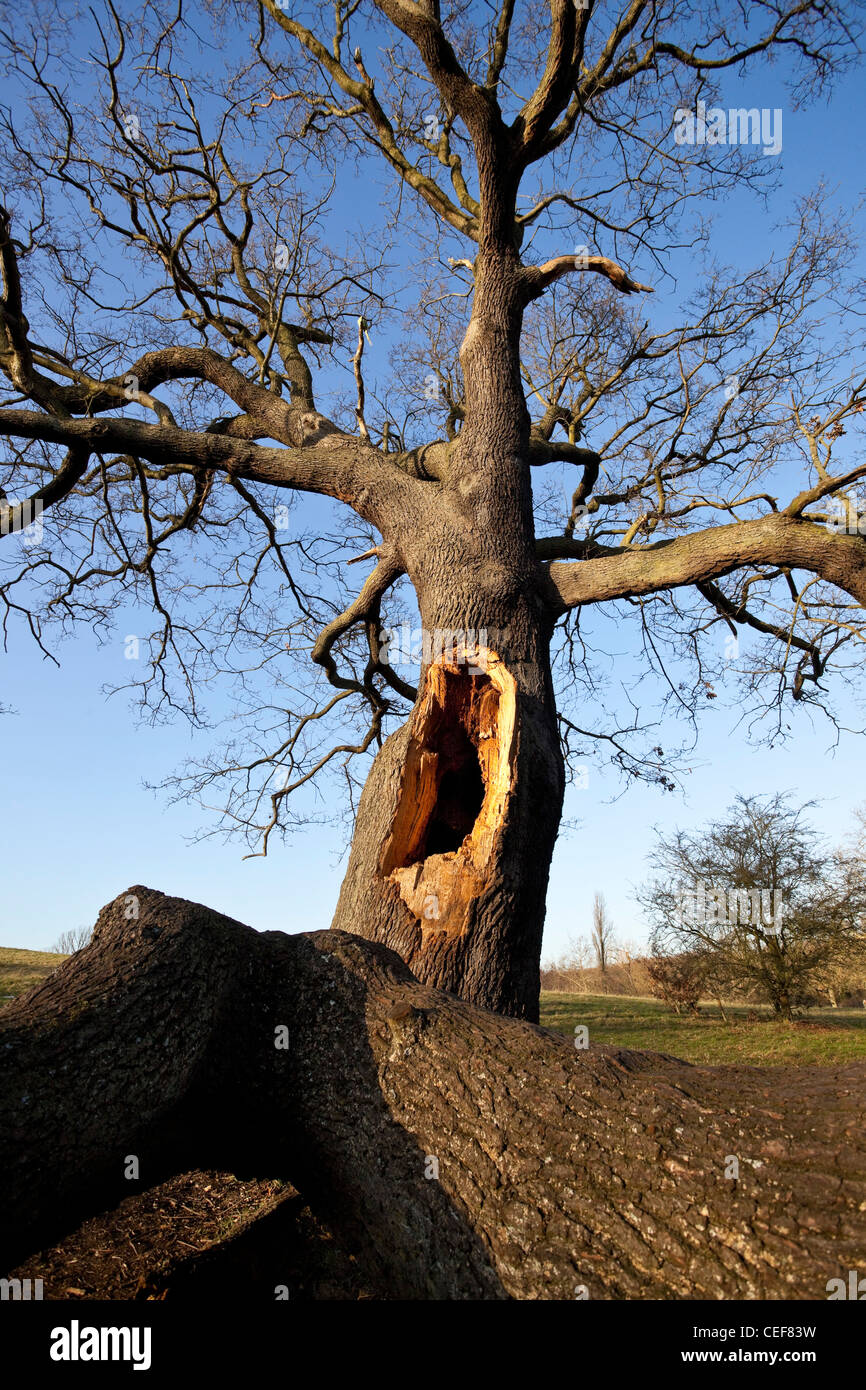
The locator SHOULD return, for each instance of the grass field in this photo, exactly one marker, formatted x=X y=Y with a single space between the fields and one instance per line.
x=819 y=1038
x=21 y=970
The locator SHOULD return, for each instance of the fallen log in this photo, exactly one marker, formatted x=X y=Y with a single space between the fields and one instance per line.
x=464 y=1155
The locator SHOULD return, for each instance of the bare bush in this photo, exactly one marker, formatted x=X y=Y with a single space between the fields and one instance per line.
x=75 y=939
x=678 y=980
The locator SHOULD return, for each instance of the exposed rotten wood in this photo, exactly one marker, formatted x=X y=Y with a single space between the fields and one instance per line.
x=457 y=779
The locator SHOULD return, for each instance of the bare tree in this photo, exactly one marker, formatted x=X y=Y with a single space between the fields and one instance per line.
x=758 y=899
x=630 y=958
x=602 y=932
x=188 y=348
x=579 y=953
x=72 y=940
x=568 y=972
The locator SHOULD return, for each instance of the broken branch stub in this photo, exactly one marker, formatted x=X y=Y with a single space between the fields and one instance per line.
x=457 y=780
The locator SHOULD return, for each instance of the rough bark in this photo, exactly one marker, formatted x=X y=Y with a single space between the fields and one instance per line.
x=781 y=538
x=558 y=1170
x=478 y=587
x=470 y=554
x=455 y=833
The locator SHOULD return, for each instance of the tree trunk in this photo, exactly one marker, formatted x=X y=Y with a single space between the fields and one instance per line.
x=456 y=826
x=465 y=1155
x=722 y=1011
x=457 y=823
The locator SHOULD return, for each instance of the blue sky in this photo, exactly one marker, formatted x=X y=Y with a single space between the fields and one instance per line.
x=80 y=827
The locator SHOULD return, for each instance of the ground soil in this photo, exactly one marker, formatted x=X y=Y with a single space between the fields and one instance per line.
x=197 y=1234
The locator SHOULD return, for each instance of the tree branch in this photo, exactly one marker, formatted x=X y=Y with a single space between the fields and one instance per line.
x=707 y=555
x=340 y=467
x=550 y=98
x=387 y=571
x=536 y=279
x=15 y=515
x=385 y=139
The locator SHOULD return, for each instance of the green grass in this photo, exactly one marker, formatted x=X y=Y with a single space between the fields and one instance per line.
x=21 y=970
x=819 y=1038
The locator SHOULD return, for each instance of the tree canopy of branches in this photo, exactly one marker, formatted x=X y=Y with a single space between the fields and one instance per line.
x=186 y=331
x=759 y=899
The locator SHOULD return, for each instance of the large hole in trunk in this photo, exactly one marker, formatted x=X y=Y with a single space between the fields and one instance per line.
x=454 y=793
x=447 y=767
x=459 y=795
